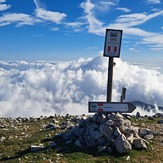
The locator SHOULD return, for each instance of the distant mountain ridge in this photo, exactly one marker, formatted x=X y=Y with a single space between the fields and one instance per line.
x=146 y=106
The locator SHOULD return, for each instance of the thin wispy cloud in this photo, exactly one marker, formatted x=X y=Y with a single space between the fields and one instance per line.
x=155 y=42
x=4 y=24
x=36 y=3
x=137 y=18
x=123 y=9
x=55 y=29
x=4 y=7
x=154 y=1
x=17 y=18
x=104 y=5
x=54 y=17
x=155 y=9
x=134 y=50
x=2 y=1
x=94 y=25
x=21 y=19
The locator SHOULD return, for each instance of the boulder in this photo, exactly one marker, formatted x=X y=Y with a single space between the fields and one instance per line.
x=78 y=143
x=96 y=135
x=78 y=131
x=139 y=143
x=117 y=132
x=109 y=122
x=69 y=135
x=106 y=130
x=160 y=121
x=122 y=144
x=148 y=137
x=101 y=141
x=50 y=126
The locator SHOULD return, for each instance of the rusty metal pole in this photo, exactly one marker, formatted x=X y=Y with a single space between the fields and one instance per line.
x=110 y=79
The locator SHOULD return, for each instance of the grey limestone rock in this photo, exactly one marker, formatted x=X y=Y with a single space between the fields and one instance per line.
x=139 y=143
x=78 y=143
x=109 y=122
x=106 y=130
x=96 y=135
x=160 y=121
x=148 y=137
x=122 y=144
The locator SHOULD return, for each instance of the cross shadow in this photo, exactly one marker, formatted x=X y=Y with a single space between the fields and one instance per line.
x=63 y=148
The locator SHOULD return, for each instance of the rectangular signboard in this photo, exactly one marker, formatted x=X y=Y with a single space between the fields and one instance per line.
x=113 y=39
x=106 y=107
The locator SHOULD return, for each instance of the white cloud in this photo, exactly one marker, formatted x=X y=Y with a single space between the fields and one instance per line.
x=155 y=9
x=55 y=29
x=134 y=50
x=2 y=1
x=152 y=40
x=91 y=47
x=54 y=17
x=4 y=24
x=155 y=42
x=75 y=25
x=94 y=25
x=18 y=18
x=104 y=5
x=36 y=3
x=136 y=18
x=107 y=3
x=157 y=49
x=123 y=9
x=154 y=1
x=42 y=88
x=4 y=7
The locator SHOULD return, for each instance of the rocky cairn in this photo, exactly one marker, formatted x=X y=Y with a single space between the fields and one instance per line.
x=108 y=133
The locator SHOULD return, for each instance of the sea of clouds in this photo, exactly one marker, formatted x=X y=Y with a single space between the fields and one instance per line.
x=45 y=88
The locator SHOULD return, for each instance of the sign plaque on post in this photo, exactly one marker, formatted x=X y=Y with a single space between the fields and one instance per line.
x=113 y=39
x=108 y=107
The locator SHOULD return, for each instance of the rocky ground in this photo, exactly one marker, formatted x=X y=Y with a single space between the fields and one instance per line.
x=96 y=138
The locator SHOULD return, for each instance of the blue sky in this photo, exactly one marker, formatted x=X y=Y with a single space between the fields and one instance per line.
x=65 y=30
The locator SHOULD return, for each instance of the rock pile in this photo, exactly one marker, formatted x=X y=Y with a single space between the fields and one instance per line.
x=108 y=132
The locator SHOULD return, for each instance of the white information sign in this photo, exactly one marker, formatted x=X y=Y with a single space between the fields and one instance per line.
x=113 y=39
x=124 y=107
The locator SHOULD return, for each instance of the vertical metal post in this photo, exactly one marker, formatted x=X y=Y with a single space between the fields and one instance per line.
x=110 y=79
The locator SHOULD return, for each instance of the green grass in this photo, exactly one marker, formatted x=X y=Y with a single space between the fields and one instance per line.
x=16 y=147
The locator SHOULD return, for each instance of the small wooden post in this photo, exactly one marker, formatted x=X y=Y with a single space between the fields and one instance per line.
x=123 y=96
